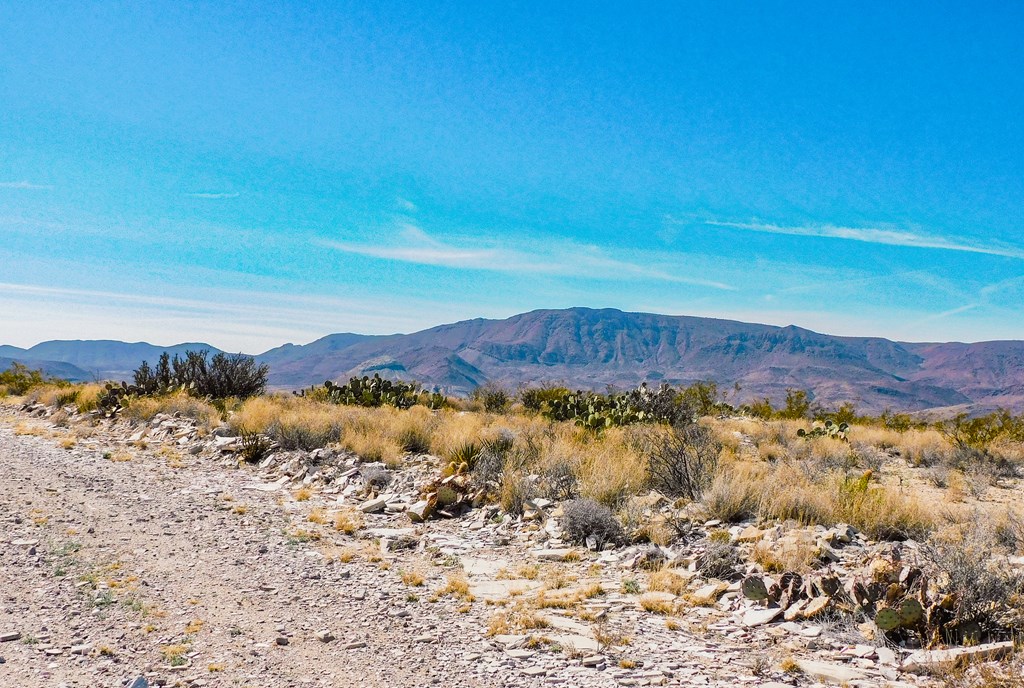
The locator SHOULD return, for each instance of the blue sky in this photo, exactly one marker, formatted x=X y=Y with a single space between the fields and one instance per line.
x=249 y=174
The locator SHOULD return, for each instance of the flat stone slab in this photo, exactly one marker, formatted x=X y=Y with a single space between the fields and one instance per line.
x=760 y=617
x=577 y=642
x=552 y=554
x=830 y=673
x=479 y=566
x=933 y=659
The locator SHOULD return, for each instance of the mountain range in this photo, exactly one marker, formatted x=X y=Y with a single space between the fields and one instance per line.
x=599 y=348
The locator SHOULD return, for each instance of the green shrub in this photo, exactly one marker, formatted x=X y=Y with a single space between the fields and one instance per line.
x=18 y=379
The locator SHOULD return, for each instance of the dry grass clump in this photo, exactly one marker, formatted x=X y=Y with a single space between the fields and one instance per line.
x=799 y=557
x=667 y=580
x=744 y=491
x=456 y=586
x=293 y=422
x=924 y=448
x=88 y=397
x=516 y=619
x=348 y=521
x=656 y=604
x=145 y=408
x=412 y=578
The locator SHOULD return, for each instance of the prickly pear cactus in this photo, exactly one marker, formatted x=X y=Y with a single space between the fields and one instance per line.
x=911 y=612
x=753 y=588
x=887 y=619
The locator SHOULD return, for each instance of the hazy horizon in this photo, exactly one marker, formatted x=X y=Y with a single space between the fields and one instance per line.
x=250 y=176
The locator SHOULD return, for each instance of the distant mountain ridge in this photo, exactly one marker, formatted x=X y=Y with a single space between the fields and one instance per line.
x=94 y=359
x=597 y=348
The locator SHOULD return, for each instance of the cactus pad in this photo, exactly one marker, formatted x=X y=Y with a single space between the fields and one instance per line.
x=754 y=588
x=887 y=619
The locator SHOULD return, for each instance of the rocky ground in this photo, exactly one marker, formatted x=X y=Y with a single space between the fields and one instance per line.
x=146 y=555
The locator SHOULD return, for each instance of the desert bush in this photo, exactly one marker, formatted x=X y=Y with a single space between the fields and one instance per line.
x=585 y=518
x=253 y=447
x=494 y=397
x=19 y=378
x=539 y=399
x=704 y=398
x=719 y=560
x=681 y=461
x=376 y=478
x=797 y=405
x=733 y=495
x=985 y=591
x=220 y=377
x=558 y=480
x=516 y=488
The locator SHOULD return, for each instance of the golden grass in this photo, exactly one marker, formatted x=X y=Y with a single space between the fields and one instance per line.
x=775 y=559
x=786 y=491
x=656 y=604
x=302 y=494
x=457 y=586
x=412 y=578
x=318 y=516
x=145 y=408
x=88 y=397
x=348 y=521
x=666 y=580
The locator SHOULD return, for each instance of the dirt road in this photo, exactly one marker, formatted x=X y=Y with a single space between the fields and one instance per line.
x=139 y=566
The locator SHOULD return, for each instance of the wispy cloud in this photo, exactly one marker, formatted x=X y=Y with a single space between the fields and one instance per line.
x=566 y=259
x=214 y=196
x=24 y=185
x=406 y=205
x=875 y=235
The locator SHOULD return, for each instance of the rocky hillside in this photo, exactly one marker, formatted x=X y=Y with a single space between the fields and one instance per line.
x=588 y=348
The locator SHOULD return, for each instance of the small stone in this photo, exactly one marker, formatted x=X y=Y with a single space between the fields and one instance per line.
x=592 y=661
x=372 y=506
x=535 y=671
x=324 y=636
x=139 y=682
x=10 y=636
x=886 y=656
x=419 y=512
x=552 y=554
x=355 y=645
x=81 y=649
x=709 y=594
x=520 y=654
x=282 y=640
